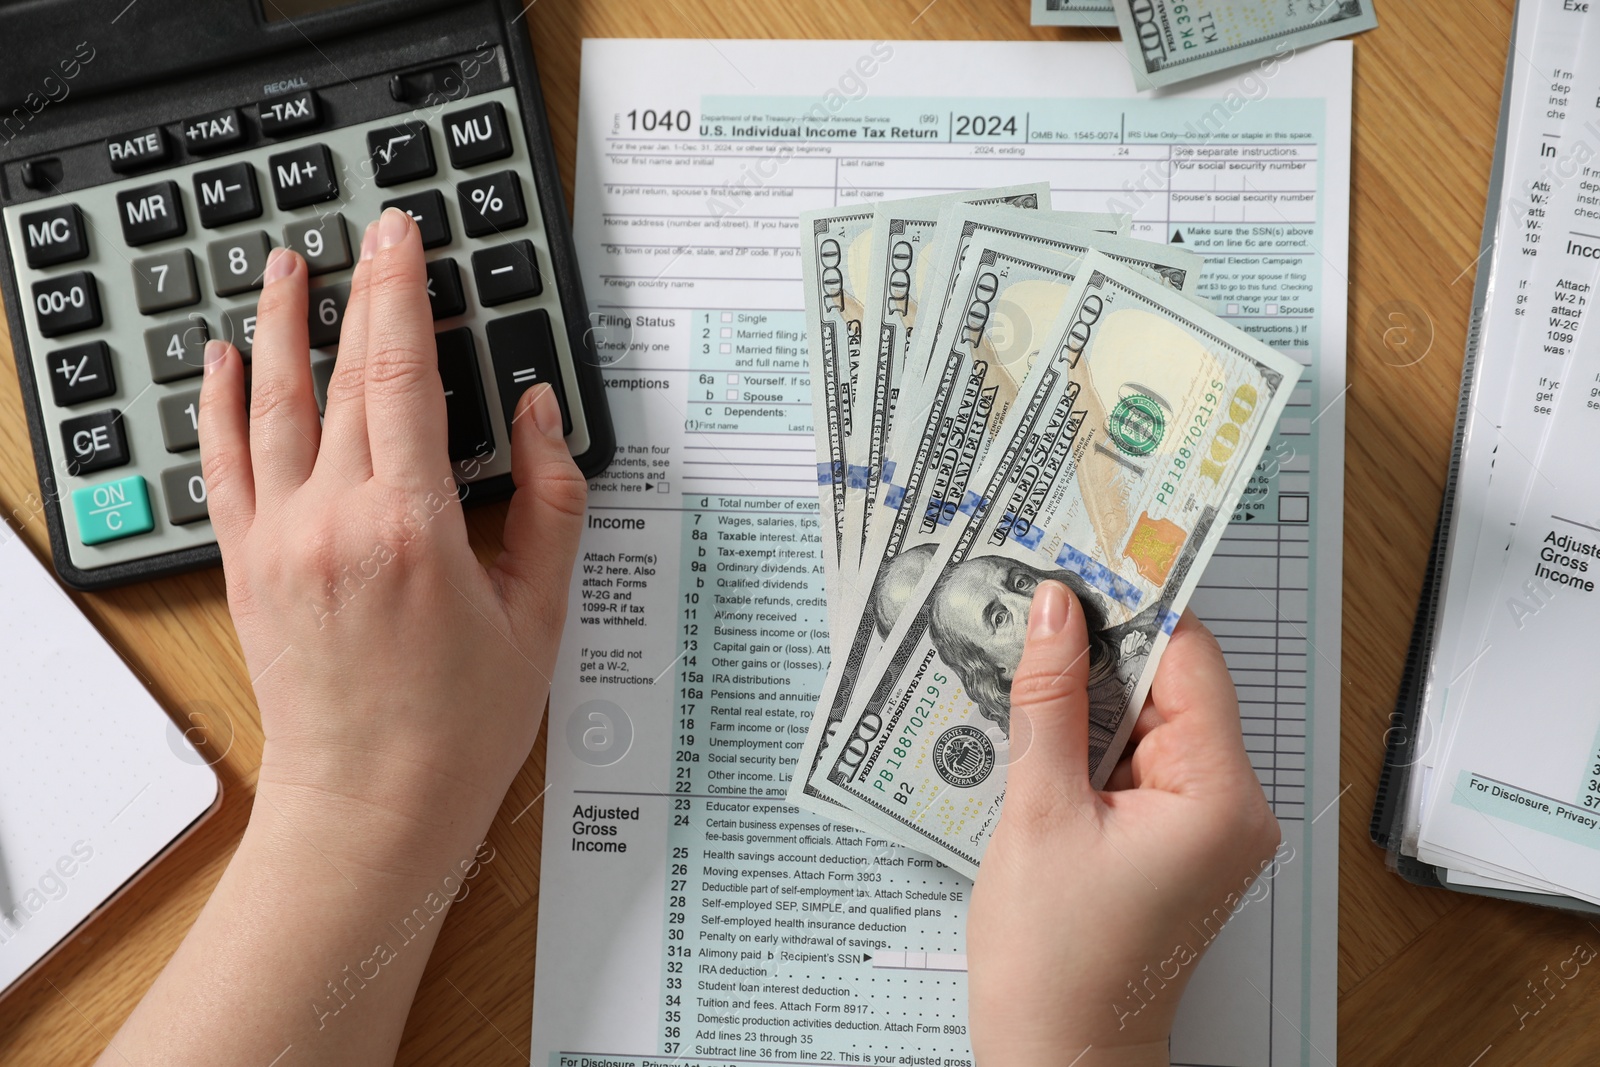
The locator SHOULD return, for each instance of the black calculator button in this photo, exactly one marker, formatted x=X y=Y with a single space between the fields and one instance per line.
x=237 y=263
x=322 y=242
x=288 y=114
x=464 y=405
x=401 y=153
x=67 y=304
x=81 y=373
x=94 y=442
x=524 y=353
x=137 y=150
x=54 y=236
x=177 y=350
x=214 y=132
x=180 y=421
x=325 y=314
x=302 y=176
x=427 y=211
x=165 y=281
x=239 y=329
x=151 y=213
x=227 y=194
x=42 y=175
x=185 y=490
x=506 y=272
x=444 y=289
x=491 y=204
x=477 y=135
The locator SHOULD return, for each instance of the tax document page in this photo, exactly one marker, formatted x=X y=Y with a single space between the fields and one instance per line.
x=688 y=914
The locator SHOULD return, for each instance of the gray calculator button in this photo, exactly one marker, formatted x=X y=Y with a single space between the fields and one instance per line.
x=180 y=421
x=177 y=349
x=185 y=490
x=238 y=262
x=239 y=329
x=164 y=282
x=321 y=374
x=322 y=242
x=325 y=314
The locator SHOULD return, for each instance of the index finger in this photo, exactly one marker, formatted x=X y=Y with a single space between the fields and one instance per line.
x=405 y=411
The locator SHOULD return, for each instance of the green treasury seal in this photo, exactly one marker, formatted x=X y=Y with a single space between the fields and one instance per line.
x=1137 y=425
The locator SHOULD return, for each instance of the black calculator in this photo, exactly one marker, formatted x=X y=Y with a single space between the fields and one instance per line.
x=151 y=155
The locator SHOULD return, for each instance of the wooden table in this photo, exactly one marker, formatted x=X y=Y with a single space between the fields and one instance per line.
x=1424 y=976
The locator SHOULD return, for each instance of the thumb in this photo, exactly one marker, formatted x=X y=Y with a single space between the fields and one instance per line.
x=546 y=513
x=1050 y=703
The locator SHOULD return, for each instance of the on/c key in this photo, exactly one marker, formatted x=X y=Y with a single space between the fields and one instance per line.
x=113 y=510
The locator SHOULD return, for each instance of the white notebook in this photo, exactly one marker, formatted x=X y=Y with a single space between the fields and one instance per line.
x=95 y=780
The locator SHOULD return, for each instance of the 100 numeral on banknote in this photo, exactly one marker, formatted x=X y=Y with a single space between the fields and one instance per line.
x=1122 y=462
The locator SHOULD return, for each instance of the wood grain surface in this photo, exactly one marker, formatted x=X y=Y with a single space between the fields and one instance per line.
x=1424 y=976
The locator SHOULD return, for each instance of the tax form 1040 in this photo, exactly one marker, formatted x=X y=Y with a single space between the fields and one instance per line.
x=688 y=915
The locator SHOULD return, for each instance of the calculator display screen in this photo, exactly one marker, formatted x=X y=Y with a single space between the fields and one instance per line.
x=281 y=10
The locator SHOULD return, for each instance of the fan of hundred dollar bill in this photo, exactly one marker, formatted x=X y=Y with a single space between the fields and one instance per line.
x=1003 y=395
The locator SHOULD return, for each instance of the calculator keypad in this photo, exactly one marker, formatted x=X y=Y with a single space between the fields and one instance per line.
x=477 y=135
x=237 y=263
x=492 y=204
x=54 y=236
x=185 y=490
x=402 y=153
x=67 y=304
x=81 y=373
x=165 y=281
x=182 y=262
x=303 y=176
x=227 y=195
x=239 y=329
x=322 y=242
x=180 y=420
x=94 y=442
x=176 y=350
x=151 y=213
x=444 y=289
x=284 y=115
x=427 y=211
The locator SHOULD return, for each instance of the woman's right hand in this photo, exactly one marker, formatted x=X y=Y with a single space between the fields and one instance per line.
x=1091 y=907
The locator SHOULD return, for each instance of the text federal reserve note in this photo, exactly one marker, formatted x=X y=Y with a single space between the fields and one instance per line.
x=1171 y=41
x=1118 y=470
x=1009 y=294
x=1073 y=13
x=833 y=264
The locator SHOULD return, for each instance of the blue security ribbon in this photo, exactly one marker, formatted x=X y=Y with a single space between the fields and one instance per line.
x=1100 y=576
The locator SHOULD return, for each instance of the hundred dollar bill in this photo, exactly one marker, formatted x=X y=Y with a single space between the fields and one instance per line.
x=1171 y=41
x=1073 y=13
x=835 y=244
x=898 y=235
x=927 y=479
x=961 y=226
x=1121 y=466
x=902 y=246
x=1010 y=292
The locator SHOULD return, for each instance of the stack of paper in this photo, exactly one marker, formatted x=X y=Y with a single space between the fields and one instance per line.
x=1004 y=396
x=1493 y=771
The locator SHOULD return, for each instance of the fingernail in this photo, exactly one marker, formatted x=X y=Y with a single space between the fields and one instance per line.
x=213 y=355
x=547 y=412
x=1049 y=612
x=392 y=227
x=366 y=240
x=279 y=265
